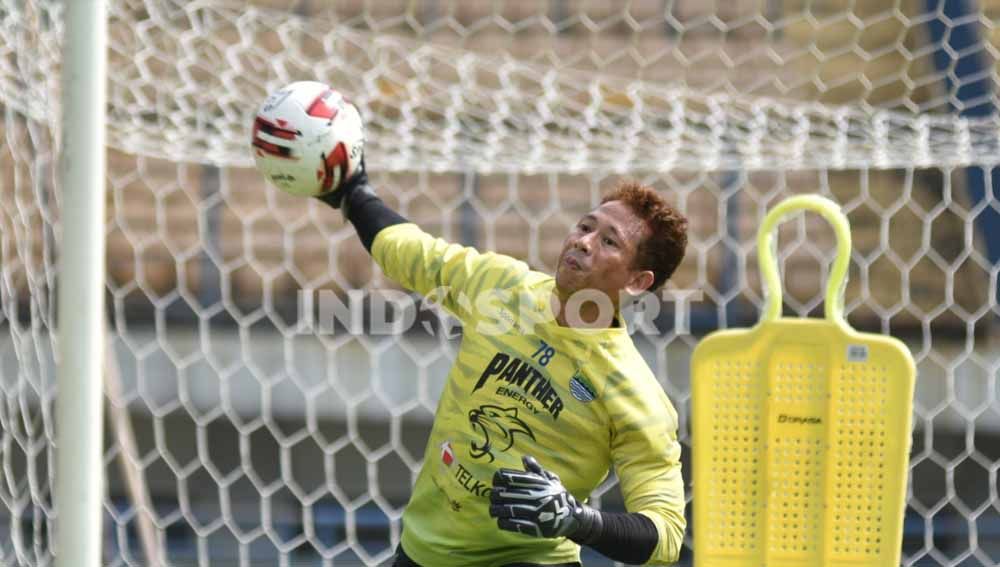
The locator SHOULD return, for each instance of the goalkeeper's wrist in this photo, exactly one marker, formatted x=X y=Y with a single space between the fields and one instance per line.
x=352 y=193
x=590 y=525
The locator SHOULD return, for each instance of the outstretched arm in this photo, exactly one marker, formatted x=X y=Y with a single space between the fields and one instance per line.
x=452 y=274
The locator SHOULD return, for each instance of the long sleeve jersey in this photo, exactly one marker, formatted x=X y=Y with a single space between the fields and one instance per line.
x=581 y=401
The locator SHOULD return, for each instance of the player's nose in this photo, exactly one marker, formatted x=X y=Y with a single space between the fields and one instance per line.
x=584 y=243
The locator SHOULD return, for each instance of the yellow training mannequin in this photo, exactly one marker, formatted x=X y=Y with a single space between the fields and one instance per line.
x=801 y=430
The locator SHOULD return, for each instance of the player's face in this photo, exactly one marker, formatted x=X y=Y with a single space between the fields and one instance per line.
x=600 y=250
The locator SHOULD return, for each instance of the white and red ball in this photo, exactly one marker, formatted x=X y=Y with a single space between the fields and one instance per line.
x=307 y=138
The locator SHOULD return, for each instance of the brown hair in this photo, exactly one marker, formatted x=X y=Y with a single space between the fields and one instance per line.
x=661 y=251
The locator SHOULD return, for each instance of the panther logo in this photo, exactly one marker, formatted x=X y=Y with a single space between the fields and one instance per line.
x=497 y=425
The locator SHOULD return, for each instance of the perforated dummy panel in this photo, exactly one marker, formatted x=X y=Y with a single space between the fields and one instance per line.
x=796 y=449
x=736 y=479
x=859 y=455
x=801 y=433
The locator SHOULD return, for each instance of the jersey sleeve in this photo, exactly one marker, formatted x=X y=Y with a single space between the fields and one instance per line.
x=646 y=456
x=451 y=274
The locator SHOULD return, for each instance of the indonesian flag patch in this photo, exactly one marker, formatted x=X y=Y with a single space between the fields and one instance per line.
x=447 y=455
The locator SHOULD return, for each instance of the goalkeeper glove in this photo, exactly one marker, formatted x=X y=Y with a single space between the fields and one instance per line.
x=534 y=502
x=340 y=196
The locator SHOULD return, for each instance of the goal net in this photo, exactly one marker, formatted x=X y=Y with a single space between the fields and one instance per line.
x=248 y=425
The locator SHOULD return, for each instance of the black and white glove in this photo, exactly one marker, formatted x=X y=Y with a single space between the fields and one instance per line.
x=340 y=196
x=534 y=502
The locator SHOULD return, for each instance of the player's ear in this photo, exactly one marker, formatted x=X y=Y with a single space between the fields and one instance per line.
x=640 y=281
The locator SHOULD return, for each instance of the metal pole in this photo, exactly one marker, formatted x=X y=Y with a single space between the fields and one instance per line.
x=961 y=58
x=79 y=409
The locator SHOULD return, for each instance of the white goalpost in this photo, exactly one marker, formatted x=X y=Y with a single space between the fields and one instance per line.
x=145 y=266
x=79 y=446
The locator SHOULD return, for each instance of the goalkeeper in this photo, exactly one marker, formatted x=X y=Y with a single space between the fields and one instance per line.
x=536 y=410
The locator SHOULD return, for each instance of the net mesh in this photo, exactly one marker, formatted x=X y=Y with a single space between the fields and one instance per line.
x=241 y=429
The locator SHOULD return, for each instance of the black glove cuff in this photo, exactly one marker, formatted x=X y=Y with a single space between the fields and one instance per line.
x=353 y=193
x=590 y=527
x=334 y=198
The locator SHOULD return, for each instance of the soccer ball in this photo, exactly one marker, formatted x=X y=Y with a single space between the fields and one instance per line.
x=307 y=138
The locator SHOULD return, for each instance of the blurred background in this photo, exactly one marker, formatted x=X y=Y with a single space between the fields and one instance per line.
x=239 y=433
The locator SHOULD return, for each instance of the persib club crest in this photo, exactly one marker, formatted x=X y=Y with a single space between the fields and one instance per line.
x=581 y=389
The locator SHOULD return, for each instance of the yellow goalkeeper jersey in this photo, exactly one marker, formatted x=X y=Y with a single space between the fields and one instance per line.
x=580 y=401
